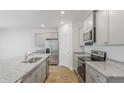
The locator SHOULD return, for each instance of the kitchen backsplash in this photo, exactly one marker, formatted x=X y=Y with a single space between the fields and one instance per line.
x=113 y=52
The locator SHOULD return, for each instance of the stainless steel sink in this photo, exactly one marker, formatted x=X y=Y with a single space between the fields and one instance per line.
x=32 y=60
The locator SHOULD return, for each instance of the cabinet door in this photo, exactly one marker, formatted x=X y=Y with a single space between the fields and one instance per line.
x=89 y=77
x=93 y=76
x=116 y=27
x=81 y=30
x=47 y=67
x=88 y=23
x=30 y=78
x=101 y=22
x=39 y=74
x=51 y=35
x=44 y=74
x=75 y=62
x=40 y=40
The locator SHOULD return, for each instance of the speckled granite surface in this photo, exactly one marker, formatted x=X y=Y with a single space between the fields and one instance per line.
x=12 y=70
x=61 y=74
x=108 y=68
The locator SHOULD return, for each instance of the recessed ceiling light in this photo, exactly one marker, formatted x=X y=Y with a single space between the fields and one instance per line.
x=42 y=25
x=62 y=12
x=62 y=22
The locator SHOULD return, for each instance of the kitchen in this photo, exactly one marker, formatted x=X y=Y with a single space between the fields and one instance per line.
x=89 y=43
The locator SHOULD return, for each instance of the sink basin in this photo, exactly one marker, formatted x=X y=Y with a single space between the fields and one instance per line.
x=32 y=60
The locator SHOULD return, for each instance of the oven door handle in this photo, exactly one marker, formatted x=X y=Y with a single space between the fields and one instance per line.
x=80 y=61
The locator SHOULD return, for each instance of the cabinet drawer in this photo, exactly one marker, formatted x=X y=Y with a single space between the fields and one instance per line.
x=99 y=78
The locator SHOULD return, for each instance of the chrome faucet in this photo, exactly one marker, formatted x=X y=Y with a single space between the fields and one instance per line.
x=26 y=56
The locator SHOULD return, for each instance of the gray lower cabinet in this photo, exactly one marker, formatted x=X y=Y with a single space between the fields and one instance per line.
x=75 y=59
x=41 y=72
x=38 y=75
x=93 y=76
x=31 y=77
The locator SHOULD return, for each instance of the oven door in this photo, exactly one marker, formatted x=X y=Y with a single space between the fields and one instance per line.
x=81 y=70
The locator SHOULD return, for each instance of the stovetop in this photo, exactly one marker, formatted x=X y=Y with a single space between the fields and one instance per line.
x=95 y=56
x=90 y=58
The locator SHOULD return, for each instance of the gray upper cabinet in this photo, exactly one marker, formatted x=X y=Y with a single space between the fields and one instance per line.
x=40 y=38
x=116 y=27
x=51 y=35
x=88 y=23
x=101 y=22
x=81 y=30
x=109 y=27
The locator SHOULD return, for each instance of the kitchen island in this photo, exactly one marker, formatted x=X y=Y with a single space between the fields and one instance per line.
x=14 y=70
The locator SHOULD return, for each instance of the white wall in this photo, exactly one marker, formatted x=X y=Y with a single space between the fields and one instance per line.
x=76 y=36
x=16 y=42
x=65 y=45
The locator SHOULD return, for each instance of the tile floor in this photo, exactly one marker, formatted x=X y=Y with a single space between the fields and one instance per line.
x=61 y=74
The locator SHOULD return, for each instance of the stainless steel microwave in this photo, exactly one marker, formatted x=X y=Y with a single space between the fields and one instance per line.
x=89 y=37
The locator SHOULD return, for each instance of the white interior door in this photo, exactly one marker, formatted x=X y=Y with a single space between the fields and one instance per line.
x=65 y=46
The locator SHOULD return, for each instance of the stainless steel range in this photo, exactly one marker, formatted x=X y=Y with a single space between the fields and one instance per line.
x=96 y=56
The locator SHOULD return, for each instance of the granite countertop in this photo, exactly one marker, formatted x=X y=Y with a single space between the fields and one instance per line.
x=81 y=54
x=109 y=69
x=12 y=70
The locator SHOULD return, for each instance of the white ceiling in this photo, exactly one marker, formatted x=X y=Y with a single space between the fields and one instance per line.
x=34 y=18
